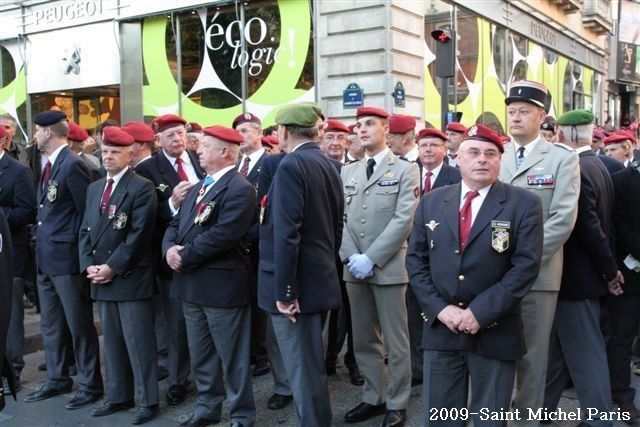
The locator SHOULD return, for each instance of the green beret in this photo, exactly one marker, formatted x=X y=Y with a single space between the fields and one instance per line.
x=305 y=114
x=576 y=118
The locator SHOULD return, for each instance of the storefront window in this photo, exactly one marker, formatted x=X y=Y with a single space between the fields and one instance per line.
x=469 y=52
x=7 y=67
x=499 y=44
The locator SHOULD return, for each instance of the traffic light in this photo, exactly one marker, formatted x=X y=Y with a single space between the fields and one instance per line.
x=445 y=52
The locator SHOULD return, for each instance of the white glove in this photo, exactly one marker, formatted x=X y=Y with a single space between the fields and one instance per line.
x=360 y=266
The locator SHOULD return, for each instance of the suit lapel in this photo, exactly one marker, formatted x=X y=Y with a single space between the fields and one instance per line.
x=491 y=206
x=117 y=196
x=253 y=175
x=54 y=171
x=508 y=162
x=195 y=162
x=451 y=207
x=166 y=170
x=4 y=166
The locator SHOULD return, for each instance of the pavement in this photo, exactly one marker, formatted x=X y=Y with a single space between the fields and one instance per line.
x=344 y=396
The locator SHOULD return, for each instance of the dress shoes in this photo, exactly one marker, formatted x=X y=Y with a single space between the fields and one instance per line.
x=363 y=412
x=46 y=392
x=81 y=399
x=278 y=401
x=355 y=376
x=331 y=370
x=262 y=368
x=198 y=421
x=395 y=418
x=145 y=414
x=176 y=394
x=108 y=408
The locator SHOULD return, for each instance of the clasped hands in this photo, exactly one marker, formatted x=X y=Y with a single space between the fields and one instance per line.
x=173 y=257
x=100 y=274
x=615 y=285
x=360 y=266
x=459 y=320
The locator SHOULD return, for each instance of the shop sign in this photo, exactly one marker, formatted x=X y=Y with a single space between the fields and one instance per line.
x=352 y=96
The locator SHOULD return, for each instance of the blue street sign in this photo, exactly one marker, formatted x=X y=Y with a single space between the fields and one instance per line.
x=352 y=96
x=398 y=95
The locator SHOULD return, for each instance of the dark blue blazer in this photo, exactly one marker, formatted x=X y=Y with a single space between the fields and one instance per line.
x=18 y=201
x=299 y=236
x=589 y=255
x=627 y=225
x=448 y=175
x=59 y=220
x=127 y=250
x=6 y=286
x=215 y=261
x=160 y=172
x=489 y=282
x=611 y=164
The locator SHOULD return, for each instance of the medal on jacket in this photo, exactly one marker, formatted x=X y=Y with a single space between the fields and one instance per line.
x=500 y=235
x=52 y=191
x=120 y=221
x=204 y=212
x=431 y=225
x=263 y=205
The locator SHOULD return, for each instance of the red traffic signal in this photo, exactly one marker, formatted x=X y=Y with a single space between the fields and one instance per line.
x=442 y=36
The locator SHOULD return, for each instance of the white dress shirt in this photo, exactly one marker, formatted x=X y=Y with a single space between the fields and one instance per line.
x=476 y=203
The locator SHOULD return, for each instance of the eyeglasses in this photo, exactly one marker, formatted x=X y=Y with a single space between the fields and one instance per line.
x=329 y=137
x=430 y=145
x=488 y=154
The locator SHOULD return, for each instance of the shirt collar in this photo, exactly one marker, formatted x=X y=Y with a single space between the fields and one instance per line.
x=412 y=155
x=583 y=149
x=464 y=189
x=435 y=170
x=216 y=176
x=255 y=156
x=142 y=160
x=117 y=177
x=378 y=157
x=527 y=148
x=184 y=156
x=1 y=154
x=299 y=145
x=52 y=158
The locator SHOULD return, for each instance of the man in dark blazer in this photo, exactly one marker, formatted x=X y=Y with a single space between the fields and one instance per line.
x=64 y=294
x=474 y=252
x=6 y=300
x=249 y=165
x=576 y=347
x=173 y=171
x=115 y=239
x=76 y=138
x=624 y=316
x=301 y=225
x=18 y=201
x=206 y=246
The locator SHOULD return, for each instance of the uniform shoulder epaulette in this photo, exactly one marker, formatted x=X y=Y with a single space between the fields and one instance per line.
x=566 y=147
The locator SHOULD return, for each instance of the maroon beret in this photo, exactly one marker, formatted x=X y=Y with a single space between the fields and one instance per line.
x=273 y=139
x=194 y=127
x=616 y=138
x=483 y=133
x=371 y=111
x=76 y=133
x=505 y=139
x=629 y=133
x=139 y=131
x=244 y=118
x=333 y=125
x=456 y=127
x=166 y=121
x=399 y=123
x=431 y=133
x=115 y=136
x=224 y=133
x=266 y=142
x=598 y=134
x=3 y=132
x=351 y=129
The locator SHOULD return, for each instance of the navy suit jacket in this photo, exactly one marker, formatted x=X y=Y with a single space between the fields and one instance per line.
x=59 y=219
x=216 y=270
x=18 y=201
x=611 y=164
x=159 y=170
x=6 y=286
x=267 y=172
x=299 y=235
x=589 y=261
x=127 y=249
x=448 y=175
x=490 y=283
x=627 y=225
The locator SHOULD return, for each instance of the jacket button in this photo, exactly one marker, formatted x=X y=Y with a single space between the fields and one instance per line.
x=361 y=234
x=461 y=277
x=366 y=193
x=41 y=206
x=363 y=220
x=88 y=228
x=93 y=252
x=460 y=304
x=457 y=251
x=364 y=206
x=39 y=222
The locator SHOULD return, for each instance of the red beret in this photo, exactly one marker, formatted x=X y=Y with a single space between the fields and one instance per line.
x=483 y=133
x=3 y=132
x=371 y=111
x=505 y=139
x=351 y=127
x=629 y=133
x=399 y=123
x=266 y=142
x=224 y=133
x=598 y=134
x=139 y=131
x=76 y=133
x=244 y=118
x=166 y=121
x=194 y=127
x=456 y=127
x=333 y=125
x=273 y=139
x=113 y=135
x=431 y=133
x=616 y=138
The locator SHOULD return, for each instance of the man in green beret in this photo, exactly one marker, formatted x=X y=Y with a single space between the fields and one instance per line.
x=301 y=220
x=576 y=347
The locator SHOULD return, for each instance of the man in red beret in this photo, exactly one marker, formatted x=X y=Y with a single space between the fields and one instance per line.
x=76 y=140
x=435 y=172
x=381 y=193
x=401 y=138
x=354 y=148
x=205 y=244
x=143 y=147
x=173 y=171
x=619 y=147
x=454 y=132
x=334 y=140
x=474 y=253
x=114 y=251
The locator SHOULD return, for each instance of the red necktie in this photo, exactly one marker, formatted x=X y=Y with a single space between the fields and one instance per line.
x=46 y=173
x=106 y=195
x=427 y=183
x=466 y=219
x=244 y=170
x=181 y=172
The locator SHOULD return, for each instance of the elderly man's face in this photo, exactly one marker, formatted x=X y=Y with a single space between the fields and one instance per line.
x=479 y=163
x=432 y=152
x=173 y=140
x=619 y=151
x=115 y=158
x=334 y=144
x=252 y=134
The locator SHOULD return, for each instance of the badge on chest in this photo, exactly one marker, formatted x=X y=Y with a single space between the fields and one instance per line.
x=540 y=179
x=500 y=235
x=204 y=212
x=52 y=191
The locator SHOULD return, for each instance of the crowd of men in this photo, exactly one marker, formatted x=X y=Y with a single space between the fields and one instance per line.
x=464 y=261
